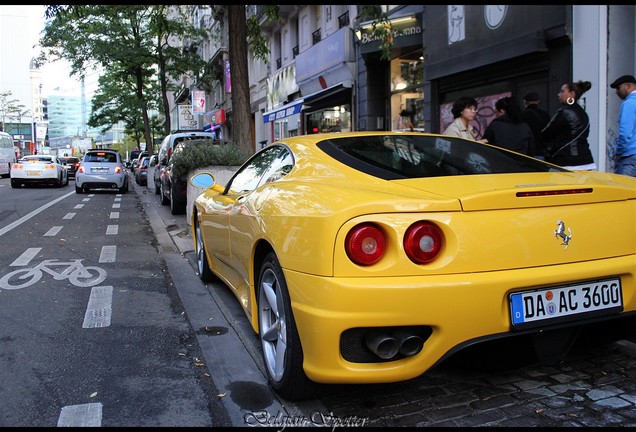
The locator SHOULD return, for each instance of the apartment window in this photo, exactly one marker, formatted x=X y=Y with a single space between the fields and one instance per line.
x=343 y=20
x=315 y=37
x=278 y=63
x=295 y=51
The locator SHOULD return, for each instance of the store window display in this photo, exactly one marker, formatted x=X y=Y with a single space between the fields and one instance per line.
x=407 y=93
x=332 y=119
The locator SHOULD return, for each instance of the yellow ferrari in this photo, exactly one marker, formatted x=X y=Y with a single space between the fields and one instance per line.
x=370 y=257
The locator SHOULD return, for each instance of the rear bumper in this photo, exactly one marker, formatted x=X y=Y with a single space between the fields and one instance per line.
x=460 y=309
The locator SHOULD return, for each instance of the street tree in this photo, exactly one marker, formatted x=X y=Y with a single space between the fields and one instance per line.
x=8 y=107
x=245 y=37
x=132 y=38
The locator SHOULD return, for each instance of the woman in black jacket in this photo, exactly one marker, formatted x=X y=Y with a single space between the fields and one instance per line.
x=565 y=137
x=508 y=130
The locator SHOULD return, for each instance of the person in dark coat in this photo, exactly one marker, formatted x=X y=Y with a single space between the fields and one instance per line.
x=508 y=130
x=565 y=137
x=537 y=118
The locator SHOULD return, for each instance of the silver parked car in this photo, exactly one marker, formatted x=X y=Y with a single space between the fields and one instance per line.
x=101 y=169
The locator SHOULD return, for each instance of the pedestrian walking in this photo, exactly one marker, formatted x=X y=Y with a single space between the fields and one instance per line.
x=537 y=118
x=625 y=87
x=508 y=130
x=565 y=136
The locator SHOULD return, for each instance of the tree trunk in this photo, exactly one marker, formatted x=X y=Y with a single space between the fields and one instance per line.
x=144 y=110
x=241 y=113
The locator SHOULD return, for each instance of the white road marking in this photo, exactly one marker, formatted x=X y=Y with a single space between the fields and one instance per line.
x=81 y=415
x=108 y=254
x=114 y=215
x=53 y=231
x=118 y=198
x=33 y=213
x=86 y=199
x=78 y=206
x=116 y=205
x=26 y=257
x=112 y=229
x=99 y=308
x=68 y=216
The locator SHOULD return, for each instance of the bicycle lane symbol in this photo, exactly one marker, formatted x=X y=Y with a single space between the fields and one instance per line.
x=73 y=270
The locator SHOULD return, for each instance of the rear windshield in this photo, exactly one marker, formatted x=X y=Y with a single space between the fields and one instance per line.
x=100 y=157
x=394 y=157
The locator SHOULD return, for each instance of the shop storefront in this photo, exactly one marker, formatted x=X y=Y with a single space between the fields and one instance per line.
x=488 y=52
x=392 y=92
x=325 y=73
x=213 y=122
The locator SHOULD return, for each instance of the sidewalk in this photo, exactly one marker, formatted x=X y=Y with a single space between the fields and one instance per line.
x=228 y=344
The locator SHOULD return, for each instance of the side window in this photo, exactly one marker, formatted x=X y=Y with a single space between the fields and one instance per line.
x=250 y=175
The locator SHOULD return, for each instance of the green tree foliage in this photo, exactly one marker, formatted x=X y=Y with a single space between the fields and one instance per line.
x=131 y=40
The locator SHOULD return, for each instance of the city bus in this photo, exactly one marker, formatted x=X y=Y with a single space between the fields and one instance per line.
x=7 y=154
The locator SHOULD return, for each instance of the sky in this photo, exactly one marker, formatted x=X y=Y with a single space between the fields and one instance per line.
x=56 y=74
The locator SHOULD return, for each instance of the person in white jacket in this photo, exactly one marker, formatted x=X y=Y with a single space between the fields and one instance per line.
x=464 y=111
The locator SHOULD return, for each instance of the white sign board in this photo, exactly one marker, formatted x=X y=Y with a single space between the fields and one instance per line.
x=187 y=120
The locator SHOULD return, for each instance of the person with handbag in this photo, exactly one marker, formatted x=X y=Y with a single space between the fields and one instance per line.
x=565 y=137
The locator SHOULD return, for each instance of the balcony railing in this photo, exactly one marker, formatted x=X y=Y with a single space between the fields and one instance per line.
x=343 y=20
x=315 y=37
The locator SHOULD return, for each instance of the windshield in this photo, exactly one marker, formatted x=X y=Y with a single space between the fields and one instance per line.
x=410 y=156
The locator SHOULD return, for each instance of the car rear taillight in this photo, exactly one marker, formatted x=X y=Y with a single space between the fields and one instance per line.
x=423 y=242
x=81 y=169
x=117 y=169
x=365 y=244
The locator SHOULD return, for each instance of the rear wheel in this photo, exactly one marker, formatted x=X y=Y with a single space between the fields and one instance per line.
x=164 y=199
x=78 y=189
x=282 y=351
x=124 y=188
x=15 y=184
x=175 y=207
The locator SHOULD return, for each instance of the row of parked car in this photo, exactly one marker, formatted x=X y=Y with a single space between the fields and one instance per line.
x=172 y=190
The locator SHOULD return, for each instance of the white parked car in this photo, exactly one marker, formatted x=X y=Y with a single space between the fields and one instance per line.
x=38 y=169
x=101 y=169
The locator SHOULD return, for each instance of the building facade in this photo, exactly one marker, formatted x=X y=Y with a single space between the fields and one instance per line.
x=326 y=71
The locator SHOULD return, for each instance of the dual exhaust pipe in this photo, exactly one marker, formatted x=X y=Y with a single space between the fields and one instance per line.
x=386 y=344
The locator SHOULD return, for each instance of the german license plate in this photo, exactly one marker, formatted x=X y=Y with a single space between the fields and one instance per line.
x=34 y=173
x=99 y=170
x=558 y=304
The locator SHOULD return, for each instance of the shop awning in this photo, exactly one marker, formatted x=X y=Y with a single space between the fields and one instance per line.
x=281 y=112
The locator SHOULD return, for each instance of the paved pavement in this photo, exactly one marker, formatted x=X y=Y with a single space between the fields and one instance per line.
x=593 y=387
x=228 y=344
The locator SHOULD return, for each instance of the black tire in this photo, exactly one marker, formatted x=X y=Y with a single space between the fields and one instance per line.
x=124 y=188
x=78 y=190
x=176 y=208
x=203 y=268
x=277 y=329
x=164 y=199
x=15 y=184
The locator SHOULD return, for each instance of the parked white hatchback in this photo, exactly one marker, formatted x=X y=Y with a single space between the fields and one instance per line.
x=101 y=169
x=38 y=169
